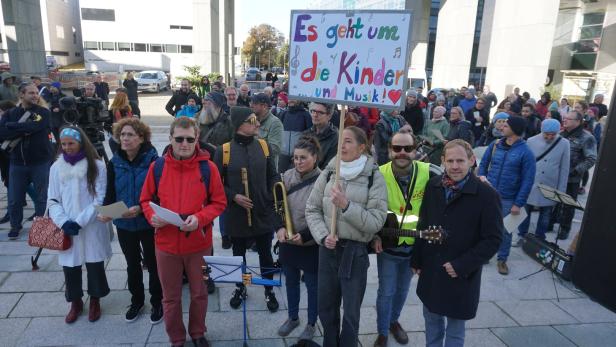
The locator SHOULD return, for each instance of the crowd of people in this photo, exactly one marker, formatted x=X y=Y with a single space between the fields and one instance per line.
x=228 y=148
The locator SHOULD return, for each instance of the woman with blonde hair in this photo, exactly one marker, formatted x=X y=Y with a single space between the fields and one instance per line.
x=120 y=107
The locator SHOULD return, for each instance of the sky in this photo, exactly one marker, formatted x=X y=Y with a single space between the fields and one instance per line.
x=250 y=13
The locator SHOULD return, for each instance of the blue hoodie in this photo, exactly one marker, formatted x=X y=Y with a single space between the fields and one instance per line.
x=188 y=111
x=511 y=171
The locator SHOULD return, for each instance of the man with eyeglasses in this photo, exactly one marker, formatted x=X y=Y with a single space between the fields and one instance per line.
x=249 y=215
x=406 y=181
x=324 y=131
x=583 y=155
x=182 y=189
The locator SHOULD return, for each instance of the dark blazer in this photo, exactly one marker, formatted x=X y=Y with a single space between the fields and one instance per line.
x=474 y=222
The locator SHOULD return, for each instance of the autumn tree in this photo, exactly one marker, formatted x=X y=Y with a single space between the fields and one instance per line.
x=262 y=45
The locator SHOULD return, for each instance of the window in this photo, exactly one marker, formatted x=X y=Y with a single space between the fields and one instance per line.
x=59 y=53
x=124 y=46
x=140 y=47
x=185 y=49
x=171 y=48
x=77 y=54
x=90 y=45
x=583 y=61
x=181 y=27
x=98 y=14
x=154 y=47
x=584 y=53
x=108 y=46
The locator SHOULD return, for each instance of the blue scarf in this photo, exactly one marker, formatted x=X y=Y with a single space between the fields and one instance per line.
x=392 y=120
x=452 y=188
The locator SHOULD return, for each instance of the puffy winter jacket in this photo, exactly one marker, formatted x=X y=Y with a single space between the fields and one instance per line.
x=510 y=170
x=182 y=190
x=583 y=152
x=124 y=182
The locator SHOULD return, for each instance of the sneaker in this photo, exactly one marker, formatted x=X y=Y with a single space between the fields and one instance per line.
x=519 y=243
x=157 y=314
x=239 y=294
x=14 y=233
x=287 y=327
x=226 y=242
x=211 y=286
x=308 y=332
x=5 y=219
x=133 y=312
x=502 y=267
x=272 y=303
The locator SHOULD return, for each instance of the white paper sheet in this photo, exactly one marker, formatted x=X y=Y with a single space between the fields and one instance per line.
x=115 y=210
x=513 y=221
x=168 y=215
x=225 y=269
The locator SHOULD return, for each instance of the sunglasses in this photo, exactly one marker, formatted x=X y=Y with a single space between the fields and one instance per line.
x=180 y=139
x=398 y=149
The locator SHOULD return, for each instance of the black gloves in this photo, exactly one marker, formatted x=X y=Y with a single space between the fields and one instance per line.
x=71 y=228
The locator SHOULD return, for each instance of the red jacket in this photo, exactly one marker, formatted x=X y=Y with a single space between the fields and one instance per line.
x=181 y=190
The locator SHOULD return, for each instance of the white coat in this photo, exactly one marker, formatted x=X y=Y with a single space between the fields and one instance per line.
x=68 y=199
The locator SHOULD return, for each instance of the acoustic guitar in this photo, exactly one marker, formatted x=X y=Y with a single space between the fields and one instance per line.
x=390 y=233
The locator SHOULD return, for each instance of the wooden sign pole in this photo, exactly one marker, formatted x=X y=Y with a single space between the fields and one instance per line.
x=332 y=229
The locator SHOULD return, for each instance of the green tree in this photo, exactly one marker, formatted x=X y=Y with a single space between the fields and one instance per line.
x=193 y=74
x=262 y=45
x=282 y=57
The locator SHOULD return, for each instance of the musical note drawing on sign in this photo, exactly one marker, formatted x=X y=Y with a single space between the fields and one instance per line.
x=333 y=56
x=295 y=61
x=322 y=19
x=404 y=18
x=397 y=52
x=370 y=18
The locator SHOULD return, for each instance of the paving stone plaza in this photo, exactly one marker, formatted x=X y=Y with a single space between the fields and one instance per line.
x=538 y=311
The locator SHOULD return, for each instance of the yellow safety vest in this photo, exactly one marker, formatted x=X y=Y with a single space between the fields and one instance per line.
x=396 y=201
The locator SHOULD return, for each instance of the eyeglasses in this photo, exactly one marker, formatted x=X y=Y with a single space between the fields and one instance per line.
x=398 y=149
x=320 y=113
x=180 y=139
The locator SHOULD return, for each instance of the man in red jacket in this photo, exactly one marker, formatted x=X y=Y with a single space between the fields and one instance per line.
x=181 y=189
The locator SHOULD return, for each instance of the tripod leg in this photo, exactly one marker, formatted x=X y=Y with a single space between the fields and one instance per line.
x=532 y=274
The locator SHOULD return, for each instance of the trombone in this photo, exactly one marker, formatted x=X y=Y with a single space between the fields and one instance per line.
x=281 y=206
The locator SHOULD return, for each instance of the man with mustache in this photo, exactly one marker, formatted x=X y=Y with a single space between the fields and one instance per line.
x=406 y=181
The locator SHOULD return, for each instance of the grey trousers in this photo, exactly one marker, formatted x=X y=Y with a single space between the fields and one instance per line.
x=342 y=278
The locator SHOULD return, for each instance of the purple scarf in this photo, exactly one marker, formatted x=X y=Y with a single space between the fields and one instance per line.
x=73 y=158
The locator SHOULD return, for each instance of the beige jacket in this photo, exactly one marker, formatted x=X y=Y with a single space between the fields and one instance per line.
x=366 y=213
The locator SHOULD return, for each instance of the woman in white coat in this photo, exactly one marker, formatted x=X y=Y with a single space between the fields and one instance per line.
x=77 y=183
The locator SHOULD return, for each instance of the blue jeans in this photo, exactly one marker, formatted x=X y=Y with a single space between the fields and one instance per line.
x=20 y=177
x=505 y=246
x=545 y=212
x=436 y=331
x=292 y=278
x=394 y=281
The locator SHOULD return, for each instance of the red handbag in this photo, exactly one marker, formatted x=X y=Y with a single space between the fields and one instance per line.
x=46 y=234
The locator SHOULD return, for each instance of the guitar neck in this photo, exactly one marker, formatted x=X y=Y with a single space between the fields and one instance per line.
x=393 y=232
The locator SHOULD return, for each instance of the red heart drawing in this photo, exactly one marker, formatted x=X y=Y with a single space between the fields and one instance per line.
x=394 y=95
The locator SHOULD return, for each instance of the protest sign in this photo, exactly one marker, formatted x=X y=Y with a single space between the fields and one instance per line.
x=350 y=57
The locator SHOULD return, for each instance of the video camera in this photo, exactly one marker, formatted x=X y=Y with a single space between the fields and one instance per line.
x=90 y=115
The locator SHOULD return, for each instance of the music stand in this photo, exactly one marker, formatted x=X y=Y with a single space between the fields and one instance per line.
x=234 y=270
x=561 y=199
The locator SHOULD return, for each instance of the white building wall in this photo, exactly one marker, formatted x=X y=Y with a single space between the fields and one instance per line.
x=520 y=45
x=454 y=43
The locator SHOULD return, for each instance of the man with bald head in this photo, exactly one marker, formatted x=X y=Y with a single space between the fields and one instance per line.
x=406 y=181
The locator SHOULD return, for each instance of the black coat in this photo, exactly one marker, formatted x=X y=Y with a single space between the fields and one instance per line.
x=461 y=130
x=131 y=88
x=474 y=222
x=478 y=130
x=414 y=116
x=246 y=152
x=179 y=99
x=328 y=139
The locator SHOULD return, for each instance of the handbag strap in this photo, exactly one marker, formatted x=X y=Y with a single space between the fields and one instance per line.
x=549 y=149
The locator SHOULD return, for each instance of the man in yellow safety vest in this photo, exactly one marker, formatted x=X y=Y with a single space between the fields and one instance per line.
x=406 y=180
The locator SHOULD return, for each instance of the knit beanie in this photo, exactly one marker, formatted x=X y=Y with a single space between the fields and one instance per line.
x=550 y=126
x=56 y=85
x=216 y=98
x=517 y=125
x=500 y=115
x=411 y=92
x=239 y=114
x=284 y=97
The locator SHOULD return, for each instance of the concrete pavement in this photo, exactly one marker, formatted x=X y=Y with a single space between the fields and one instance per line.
x=512 y=312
